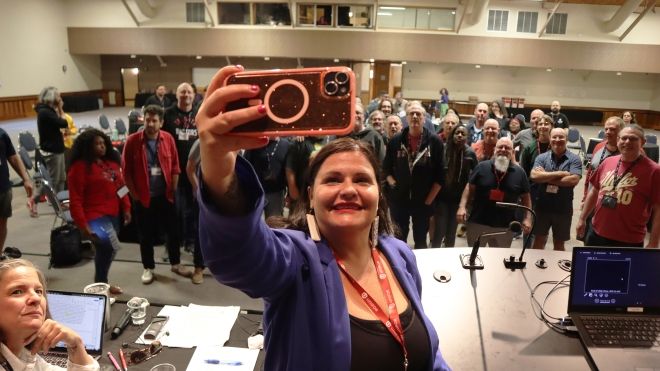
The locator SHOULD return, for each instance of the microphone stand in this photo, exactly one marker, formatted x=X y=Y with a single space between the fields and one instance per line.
x=512 y=263
x=473 y=261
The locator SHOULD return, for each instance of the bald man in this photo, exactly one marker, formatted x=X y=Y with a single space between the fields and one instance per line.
x=529 y=135
x=492 y=181
x=476 y=124
x=561 y=121
x=179 y=121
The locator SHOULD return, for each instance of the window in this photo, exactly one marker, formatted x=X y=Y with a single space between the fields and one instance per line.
x=273 y=14
x=527 y=21
x=234 y=13
x=416 y=18
x=195 y=13
x=354 y=16
x=314 y=15
x=557 y=24
x=497 y=20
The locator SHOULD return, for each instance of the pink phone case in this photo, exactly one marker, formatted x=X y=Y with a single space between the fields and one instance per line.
x=305 y=102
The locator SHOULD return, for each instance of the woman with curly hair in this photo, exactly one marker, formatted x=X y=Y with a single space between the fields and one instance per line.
x=97 y=194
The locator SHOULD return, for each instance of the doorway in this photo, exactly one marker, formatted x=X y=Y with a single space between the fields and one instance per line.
x=130 y=84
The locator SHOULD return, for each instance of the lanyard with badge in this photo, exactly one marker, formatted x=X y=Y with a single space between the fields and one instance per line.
x=111 y=174
x=391 y=320
x=610 y=201
x=5 y=364
x=154 y=165
x=553 y=188
x=497 y=194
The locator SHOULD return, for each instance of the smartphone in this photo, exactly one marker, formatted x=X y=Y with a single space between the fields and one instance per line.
x=301 y=102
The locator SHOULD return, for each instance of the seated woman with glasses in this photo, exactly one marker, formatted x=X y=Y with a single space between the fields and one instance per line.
x=25 y=326
x=340 y=292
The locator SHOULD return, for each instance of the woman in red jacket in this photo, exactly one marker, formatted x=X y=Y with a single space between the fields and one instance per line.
x=97 y=194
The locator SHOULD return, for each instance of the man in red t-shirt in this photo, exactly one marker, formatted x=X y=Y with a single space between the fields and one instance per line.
x=623 y=194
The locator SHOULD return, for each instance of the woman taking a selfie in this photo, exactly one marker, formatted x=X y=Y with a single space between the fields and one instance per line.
x=25 y=328
x=334 y=276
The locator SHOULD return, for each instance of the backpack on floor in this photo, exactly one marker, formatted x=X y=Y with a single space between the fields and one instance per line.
x=65 y=246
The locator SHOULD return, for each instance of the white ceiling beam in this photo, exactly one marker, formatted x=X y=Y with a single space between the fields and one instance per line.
x=650 y=5
x=130 y=11
x=554 y=10
x=621 y=15
x=208 y=11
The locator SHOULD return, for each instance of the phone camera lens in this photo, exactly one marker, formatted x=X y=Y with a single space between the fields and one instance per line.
x=331 y=88
x=341 y=78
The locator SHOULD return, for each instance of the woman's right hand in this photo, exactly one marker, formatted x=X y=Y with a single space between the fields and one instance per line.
x=218 y=148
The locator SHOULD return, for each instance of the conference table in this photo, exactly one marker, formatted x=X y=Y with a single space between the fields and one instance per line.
x=245 y=325
x=485 y=319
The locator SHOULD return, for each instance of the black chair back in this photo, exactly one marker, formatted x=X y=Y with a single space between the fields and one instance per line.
x=26 y=140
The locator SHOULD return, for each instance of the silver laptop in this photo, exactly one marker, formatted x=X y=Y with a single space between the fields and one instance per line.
x=614 y=301
x=83 y=313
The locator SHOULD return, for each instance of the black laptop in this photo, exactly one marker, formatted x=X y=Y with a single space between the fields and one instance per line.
x=614 y=301
x=83 y=313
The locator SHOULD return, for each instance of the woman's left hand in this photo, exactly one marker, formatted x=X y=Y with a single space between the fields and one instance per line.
x=50 y=334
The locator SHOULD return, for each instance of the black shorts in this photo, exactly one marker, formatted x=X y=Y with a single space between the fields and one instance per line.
x=5 y=204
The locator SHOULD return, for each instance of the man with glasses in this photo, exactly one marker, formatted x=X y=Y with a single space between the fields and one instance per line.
x=624 y=193
x=414 y=170
x=492 y=181
x=556 y=172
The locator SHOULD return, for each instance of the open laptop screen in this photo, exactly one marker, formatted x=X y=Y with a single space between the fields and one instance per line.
x=611 y=280
x=84 y=313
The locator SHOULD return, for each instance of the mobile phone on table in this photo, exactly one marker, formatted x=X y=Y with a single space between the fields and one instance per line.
x=155 y=327
x=300 y=102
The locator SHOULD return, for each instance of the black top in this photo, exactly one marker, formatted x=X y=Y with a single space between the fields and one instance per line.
x=269 y=163
x=181 y=125
x=49 y=124
x=427 y=163
x=374 y=348
x=561 y=121
x=6 y=151
x=514 y=184
x=153 y=100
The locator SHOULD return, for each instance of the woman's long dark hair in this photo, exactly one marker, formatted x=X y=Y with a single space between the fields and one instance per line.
x=297 y=218
x=83 y=147
x=454 y=156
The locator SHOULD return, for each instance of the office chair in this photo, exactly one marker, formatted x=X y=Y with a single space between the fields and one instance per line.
x=121 y=129
x=105 y=124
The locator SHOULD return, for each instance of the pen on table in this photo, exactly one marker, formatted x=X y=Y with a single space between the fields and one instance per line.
x=225 y=363
x=114 y=361
x=123 y=359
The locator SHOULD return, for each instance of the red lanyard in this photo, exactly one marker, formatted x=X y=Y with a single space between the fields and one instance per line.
x=391 y=321
x=498 y=178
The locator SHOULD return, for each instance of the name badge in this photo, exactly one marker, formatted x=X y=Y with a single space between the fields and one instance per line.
x=156 y=171
x=123 y=191
x=551 y=188
x=496 y=195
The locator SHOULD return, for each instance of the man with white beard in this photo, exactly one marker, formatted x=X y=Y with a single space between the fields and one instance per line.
x=495 y=180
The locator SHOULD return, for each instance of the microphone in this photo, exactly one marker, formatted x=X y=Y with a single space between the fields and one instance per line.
x=121 y=324
x=512 y=263
x=473 y=261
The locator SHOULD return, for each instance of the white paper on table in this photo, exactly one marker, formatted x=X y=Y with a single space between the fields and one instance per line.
x=194 y=325
x=217 y=358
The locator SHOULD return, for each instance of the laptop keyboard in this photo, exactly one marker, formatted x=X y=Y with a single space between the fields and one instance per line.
x=56 y=359
x=618 y=331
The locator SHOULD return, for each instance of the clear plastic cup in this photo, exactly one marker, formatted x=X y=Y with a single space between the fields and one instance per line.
x=139 y=307
x=101 y=288
x=164 y=367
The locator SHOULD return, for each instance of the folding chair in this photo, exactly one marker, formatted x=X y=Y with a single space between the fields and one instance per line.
x=576 y=141
x=651 y=138
x=120 y=126
x=60 y=207
x=105 y=124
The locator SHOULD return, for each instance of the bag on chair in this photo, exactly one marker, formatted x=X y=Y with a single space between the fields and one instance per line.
x=65 y=246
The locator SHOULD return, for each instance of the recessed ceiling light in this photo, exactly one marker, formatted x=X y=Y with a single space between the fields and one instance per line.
x=619 y=74
x=404 y=62
x=133 y=56
x=548 y=69
x=198 y=57
x=371 y=60
x=392 y=8
x=336 y=60
x=477 y=66
x=266 y=58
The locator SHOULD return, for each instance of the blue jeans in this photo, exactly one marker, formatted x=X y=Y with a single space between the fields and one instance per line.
x=105 y=228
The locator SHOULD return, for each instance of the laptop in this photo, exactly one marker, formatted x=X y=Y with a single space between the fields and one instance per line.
x=83 y=313
x=614 y=301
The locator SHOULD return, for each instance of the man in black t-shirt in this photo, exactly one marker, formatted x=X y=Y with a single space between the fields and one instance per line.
x=8 y=156
x=560 y=120
x=492 y=181
x=160 y=98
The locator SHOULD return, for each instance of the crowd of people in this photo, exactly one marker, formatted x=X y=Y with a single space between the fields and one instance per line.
x=317 y=226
